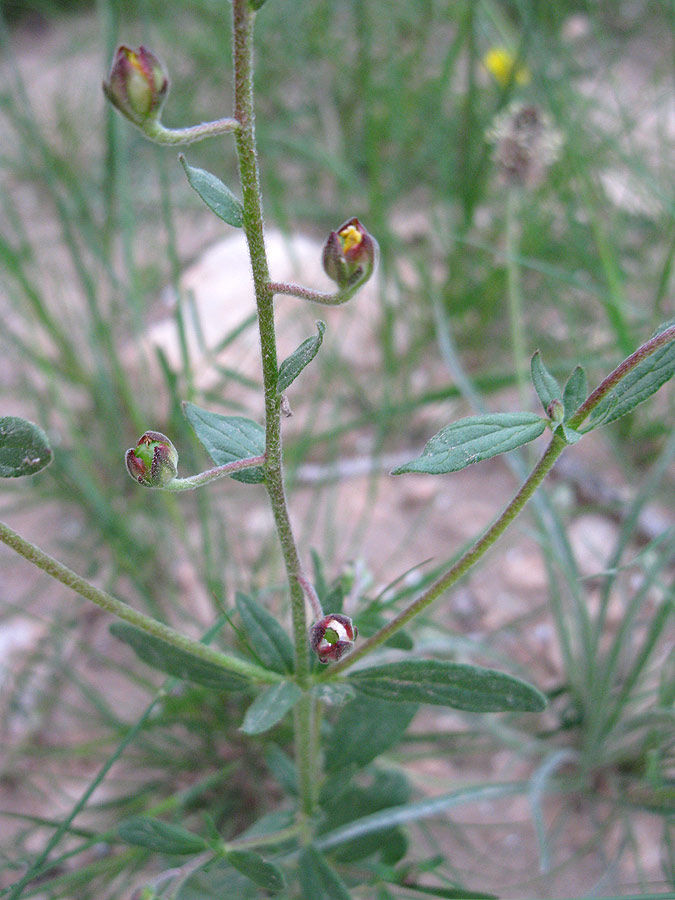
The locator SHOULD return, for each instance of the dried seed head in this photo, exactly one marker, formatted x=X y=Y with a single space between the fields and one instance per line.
x=526 y=144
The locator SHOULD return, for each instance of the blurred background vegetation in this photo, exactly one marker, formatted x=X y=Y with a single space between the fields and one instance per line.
x=380 y=110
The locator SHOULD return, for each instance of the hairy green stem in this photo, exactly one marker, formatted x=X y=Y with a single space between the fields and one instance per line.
x=243 y=19
x=123 y=611
x=464 y=563
x=499 y=526
x=158 y=134
x=194 y=481
x=515 y=296
x=303 y=293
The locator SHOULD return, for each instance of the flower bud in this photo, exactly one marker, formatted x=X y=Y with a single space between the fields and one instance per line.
x=137 y=84
x=153 y=462
x=332 y=637
x=555 y=411
x=350 y=255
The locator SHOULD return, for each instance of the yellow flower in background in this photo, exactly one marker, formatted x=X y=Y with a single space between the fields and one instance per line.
x=502 y=65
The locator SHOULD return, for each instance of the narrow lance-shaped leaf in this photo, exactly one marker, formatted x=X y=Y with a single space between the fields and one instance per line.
x=217 y=196
x=228 y=438
x=270 y=706
x=300 y=358
x=268 y=639
x=260 y=872
x=317 y=880
x=545 y=384
x=441 y=683
x=355 y=743
x=24 y=448
x=153 y=834
x=639 y=384
x=179 y=663
x=474 y=439
x=576 y=391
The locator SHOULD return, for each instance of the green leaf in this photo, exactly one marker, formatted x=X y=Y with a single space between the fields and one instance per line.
x=571 y=435
x=24 y=448
x=270 y=643
x=296 y=362
x=179 y=663
x=217 y=881
x=254 y=867
x=474 y=439
x=353 y=740
x=270 y=706
x=333 y=693
x=342 y=805
x=217 y=196
x=317 y=880
x=639 y=384
x=576 y=391
x=143 y=831
x=228 y=438
x=413 y=812
x=282 y=768
x=545 y=384
x=449 y=893
x=449 y=684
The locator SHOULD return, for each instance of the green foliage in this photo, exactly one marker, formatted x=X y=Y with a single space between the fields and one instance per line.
x=24 y=448
x=174 y=661
x=318 y=880
x=647 y=377
x=296 y=362
x=448 y=684
x=228 y=438
x=161 y=837
x=355 y=743
x=268 y=641
x=254 y=867
x=270 y=707
x=545 y=384
x=217 y=196
x=474 y=439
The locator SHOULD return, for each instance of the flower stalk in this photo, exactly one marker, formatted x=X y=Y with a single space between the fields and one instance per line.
x=127 y=613
x=510 y=512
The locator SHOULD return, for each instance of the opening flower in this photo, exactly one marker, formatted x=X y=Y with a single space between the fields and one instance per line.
x=332 y=637
x=153 y=462
x=350 y=255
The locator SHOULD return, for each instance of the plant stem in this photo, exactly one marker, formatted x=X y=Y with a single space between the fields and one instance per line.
x=158 y=134
x=514 y=292
x=195 y=481
x=499 y=526
x=123 y=611
x=297 y=290
x=465 y=562
x=242 y=20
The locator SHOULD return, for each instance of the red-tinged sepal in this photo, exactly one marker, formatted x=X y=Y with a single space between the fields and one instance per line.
x=350 y=255
x=137 y=84
x=332 y=637
x=153 y=462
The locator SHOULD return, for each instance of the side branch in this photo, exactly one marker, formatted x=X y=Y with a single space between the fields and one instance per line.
x=123 y=611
